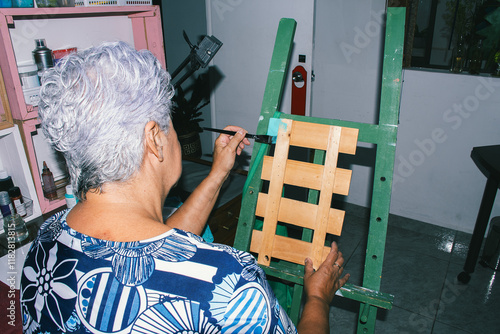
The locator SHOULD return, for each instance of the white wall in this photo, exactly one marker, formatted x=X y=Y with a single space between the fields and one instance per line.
x=443 y=116
x=248 y=31
x=435 y=179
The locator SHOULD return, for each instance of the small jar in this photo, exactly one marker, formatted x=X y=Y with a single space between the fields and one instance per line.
x=17 y=201
x=15 y=228
x=28 y=74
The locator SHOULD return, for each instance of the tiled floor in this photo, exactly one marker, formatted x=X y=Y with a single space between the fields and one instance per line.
x=421 y=264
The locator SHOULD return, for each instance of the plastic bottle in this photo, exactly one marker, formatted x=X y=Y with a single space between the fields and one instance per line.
x=17 y=201
x=5 y=181
x=43 y=56
x=70 y=197
x=49 y=186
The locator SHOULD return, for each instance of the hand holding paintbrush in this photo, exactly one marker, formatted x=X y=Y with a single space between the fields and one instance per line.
x=265 y=139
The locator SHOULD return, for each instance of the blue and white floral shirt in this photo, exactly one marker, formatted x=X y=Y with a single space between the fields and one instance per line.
x=173 y=283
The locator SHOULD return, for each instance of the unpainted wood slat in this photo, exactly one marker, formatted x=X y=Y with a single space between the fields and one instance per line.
x=326 y=193
x=313 y=135
x=288 y=249
x=275 y=190
x=308 y=175
x=301 y=214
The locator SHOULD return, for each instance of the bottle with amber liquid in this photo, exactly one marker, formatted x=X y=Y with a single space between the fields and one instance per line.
x=49 y=186
x=458 y=57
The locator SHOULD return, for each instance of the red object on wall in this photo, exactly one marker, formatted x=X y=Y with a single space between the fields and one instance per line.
x=299 y=90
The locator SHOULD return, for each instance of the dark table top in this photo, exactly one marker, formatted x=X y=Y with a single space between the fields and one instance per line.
x=487 y=159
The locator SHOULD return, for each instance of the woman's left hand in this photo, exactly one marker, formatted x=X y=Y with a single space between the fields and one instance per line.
x=227 y=147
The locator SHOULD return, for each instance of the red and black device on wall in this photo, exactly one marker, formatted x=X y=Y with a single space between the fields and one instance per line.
x=299 y=88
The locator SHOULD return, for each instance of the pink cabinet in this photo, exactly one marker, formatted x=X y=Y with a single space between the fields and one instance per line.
x=79 y=27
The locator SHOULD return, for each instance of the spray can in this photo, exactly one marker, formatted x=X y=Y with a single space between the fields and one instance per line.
x=43 y=56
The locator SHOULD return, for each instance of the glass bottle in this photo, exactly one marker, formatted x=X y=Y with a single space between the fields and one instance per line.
x=15 y=228
x=49 y=186
x=17 y=201
x=458 y=56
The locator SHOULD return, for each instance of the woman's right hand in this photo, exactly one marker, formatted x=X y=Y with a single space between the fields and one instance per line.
x=227 y=147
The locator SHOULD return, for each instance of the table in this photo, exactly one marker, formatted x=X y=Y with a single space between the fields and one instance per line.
x=487 y=159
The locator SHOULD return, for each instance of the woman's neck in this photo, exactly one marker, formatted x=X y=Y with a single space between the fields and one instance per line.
x=119 y=213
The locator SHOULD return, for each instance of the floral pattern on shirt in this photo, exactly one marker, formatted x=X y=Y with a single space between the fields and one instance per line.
x=45 y=288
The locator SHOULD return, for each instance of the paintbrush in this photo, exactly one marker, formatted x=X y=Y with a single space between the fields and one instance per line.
x=265 y=139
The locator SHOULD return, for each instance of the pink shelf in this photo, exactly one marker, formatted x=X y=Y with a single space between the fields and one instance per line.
x=146 y=26
x=28 y=128
x=147 y=33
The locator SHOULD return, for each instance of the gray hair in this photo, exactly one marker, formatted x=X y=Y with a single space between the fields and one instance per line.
x=94 y=106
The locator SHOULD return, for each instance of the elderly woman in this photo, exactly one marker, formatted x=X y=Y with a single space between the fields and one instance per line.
x=112 y=264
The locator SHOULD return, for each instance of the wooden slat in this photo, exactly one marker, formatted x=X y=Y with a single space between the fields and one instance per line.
x=308 y=175
x=326 y=194
x=6 y=116
x=300 y=214
x=288 y=249
x=275 y=190
x=313 y=135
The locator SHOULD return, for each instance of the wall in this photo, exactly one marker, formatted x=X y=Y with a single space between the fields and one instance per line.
x=435 y=179
x=188 y=15
x=248 y=31
x=443 y=116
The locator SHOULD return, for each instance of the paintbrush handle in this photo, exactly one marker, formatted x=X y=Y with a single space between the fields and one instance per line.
x=227 y=132
x=260 y=138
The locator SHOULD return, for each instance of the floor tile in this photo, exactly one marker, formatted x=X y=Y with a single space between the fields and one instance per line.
x=460 y=247
x=415 y=280
x=344 y=315
x=440 y=328
x=472 y=307
x=401 y=321
x=420 y=268
x=420 y=237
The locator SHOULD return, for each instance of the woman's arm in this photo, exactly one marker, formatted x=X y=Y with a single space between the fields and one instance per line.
x=320 y=287
x=193 y=214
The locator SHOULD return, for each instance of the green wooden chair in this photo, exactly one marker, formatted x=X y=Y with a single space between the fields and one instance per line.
x=287 y=273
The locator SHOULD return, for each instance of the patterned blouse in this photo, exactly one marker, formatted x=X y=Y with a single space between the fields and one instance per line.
x=172 y=283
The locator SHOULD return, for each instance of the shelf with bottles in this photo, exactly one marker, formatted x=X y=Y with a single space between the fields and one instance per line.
x=14 y=162
x=64 y=27
x=39 y=151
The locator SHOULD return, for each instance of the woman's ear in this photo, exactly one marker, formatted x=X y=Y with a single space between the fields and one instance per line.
x=154 y=140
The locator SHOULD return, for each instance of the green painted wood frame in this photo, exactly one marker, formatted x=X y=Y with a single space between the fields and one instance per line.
x=383 y=135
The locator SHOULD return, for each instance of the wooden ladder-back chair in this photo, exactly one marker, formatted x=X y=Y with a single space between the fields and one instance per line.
x=283 y=258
